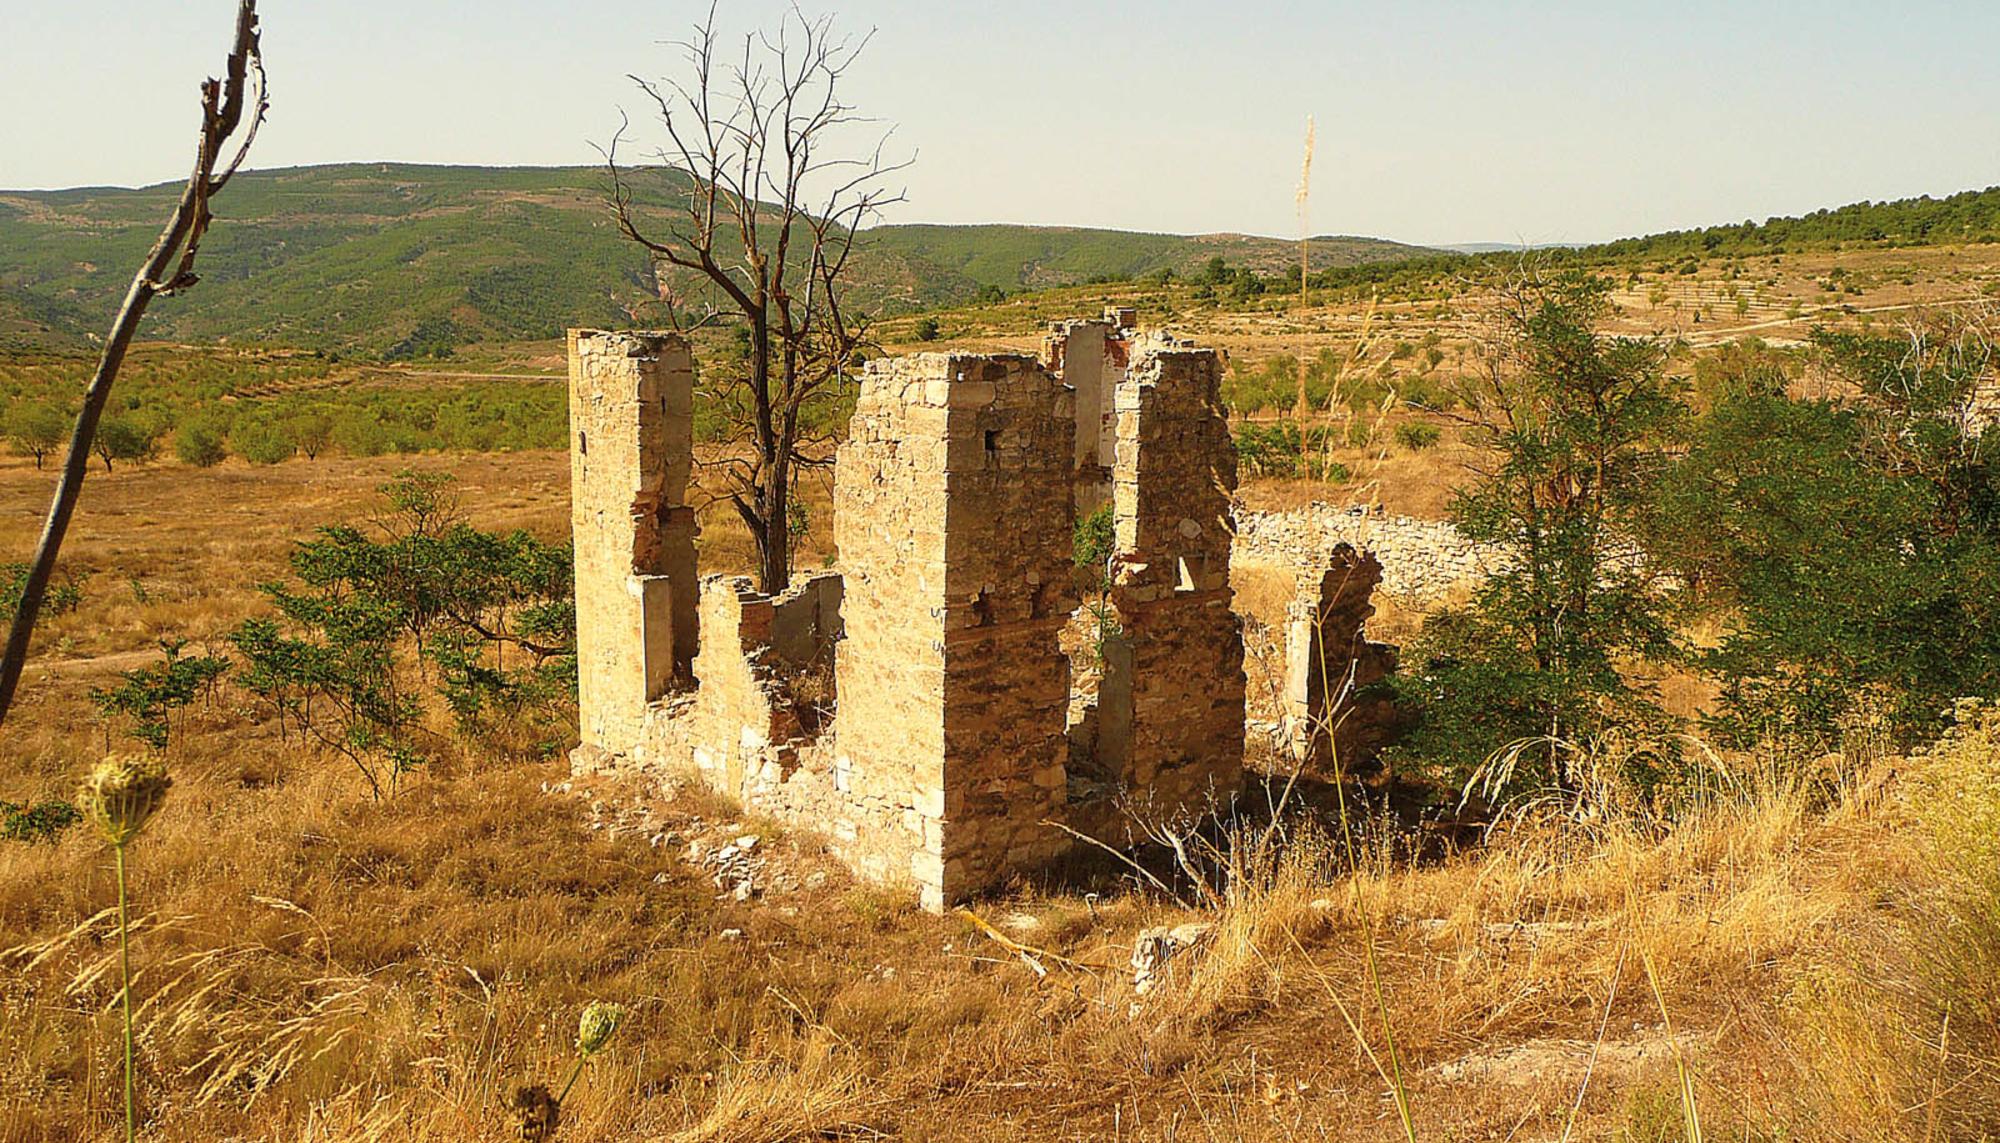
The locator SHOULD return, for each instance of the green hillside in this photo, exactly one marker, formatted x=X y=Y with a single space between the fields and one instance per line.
x=401 y=259
x=1035 y=257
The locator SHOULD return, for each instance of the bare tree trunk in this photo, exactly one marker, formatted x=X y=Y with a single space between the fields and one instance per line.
x=222 y=105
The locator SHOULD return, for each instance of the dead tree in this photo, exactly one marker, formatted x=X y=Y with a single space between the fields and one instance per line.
x=767 y=203
x=232 y=108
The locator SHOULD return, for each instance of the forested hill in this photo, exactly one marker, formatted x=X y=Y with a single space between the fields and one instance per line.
x=398 y=259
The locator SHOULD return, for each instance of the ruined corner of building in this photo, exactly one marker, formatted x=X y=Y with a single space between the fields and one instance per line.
x=929 y=708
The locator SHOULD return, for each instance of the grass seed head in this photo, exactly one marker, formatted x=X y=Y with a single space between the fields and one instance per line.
x=122 y=794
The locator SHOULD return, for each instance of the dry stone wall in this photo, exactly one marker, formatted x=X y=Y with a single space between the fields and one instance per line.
x=631 y=448
x=1170 y=707
x=1424 y=562
x=948 y=754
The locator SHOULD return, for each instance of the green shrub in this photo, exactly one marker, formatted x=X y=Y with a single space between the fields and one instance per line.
x=64 y=593
x=261 y=441
x=1417 y=435
x=198 y=443
x=43 y=822
x=1093 y=544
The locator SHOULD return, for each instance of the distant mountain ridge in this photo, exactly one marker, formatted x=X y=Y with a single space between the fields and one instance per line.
x=401 y=258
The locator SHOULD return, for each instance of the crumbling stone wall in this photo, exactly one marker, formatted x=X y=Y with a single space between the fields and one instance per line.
x=631 y=448
x=1090 y=357
x=1171 y=705
x=954 y=505
x=954 y=540
x=1330 y=716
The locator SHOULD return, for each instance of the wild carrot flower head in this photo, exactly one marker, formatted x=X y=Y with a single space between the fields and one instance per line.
x=596 y=1026
x=122 y=794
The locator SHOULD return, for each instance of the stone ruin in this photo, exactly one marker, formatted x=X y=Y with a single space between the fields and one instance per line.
x=915 y=706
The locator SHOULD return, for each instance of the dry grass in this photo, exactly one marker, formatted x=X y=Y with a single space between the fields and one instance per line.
x=314 y=966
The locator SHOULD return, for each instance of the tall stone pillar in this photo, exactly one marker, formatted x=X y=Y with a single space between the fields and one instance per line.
x=953 y=520
x=1171 y=705
x=631 y=420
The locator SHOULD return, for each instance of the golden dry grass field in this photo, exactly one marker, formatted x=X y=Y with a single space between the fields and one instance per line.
x=315 y=965
x=1781 y=964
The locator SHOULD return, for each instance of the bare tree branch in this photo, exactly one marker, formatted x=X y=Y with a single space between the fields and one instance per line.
x=225 y=103
x=769 y=206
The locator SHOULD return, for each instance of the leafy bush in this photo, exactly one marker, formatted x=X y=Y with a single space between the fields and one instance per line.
x=1094 y=542
x=1854 y=545
x=261 y=441
x=43 y=822
x=64 y=593
x=488 y=620
x=1417 y=435
x=1275 y=450
x=150 y=695
x=927 y=329
x=197 y=442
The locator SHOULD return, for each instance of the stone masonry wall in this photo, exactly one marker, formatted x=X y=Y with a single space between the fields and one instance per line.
x=1330 y=719
x=631 y=447
x=955 y=500
x=953 y=534
x=1171 y=704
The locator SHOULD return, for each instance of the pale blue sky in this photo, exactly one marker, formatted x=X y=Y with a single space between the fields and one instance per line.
x=1438 y=121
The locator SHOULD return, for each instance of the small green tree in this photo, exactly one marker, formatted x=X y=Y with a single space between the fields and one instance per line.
x=927 y=329
x=1852 y=543
x=36 y=429
x=311 y=431
x=149 y=696
x=120 y=438
x=1578 y=424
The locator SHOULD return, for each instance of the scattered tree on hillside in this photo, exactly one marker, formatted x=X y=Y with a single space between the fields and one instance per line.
x=36 y=428
x=232 y=108
x=774 y=197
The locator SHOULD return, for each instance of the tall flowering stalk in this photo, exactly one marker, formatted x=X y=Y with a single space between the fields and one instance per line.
x=118 y=799
x=537 y=1114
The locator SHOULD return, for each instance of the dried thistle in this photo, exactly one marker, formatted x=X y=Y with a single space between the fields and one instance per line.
x=537 y=1114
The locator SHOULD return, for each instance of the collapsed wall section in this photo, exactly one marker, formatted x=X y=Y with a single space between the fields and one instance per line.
x=631 y=447
x=952 y=518
x=1171 y=704
x=1332 y=720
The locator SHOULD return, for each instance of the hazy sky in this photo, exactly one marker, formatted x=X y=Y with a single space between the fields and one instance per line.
x=1437 y=121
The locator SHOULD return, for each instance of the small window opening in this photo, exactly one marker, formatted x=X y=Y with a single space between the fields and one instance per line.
x=1185 y=582
x=992 y=441
x=582 y=443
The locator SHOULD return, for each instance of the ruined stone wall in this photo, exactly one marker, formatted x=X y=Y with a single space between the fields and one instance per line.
x=1171 y=704
x=954 y=509
x=1331 y=718
x=954 y=540
x=1089 y=357
x=631 y=447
